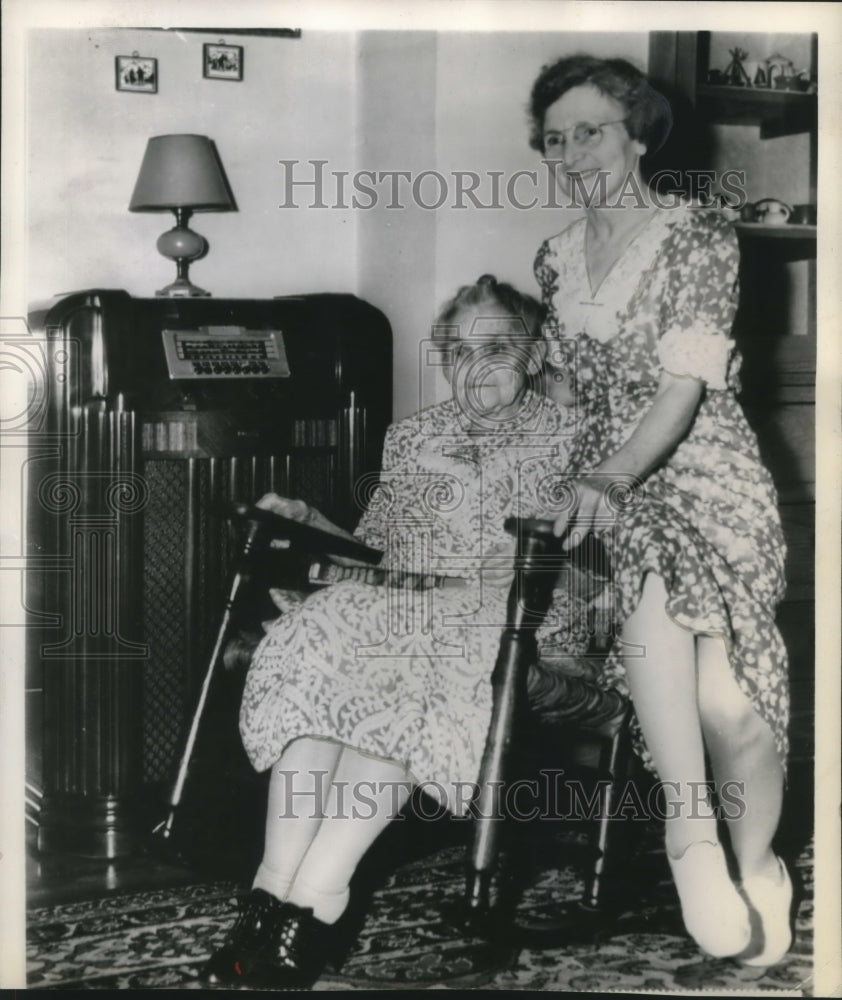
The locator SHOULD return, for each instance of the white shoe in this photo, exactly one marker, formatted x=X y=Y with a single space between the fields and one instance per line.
x=772 y=900
x=714 y=913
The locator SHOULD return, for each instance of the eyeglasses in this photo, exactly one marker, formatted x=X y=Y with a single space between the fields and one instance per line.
x=585 y=135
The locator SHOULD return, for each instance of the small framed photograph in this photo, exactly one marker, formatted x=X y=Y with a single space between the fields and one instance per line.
x=222 y=62
x=137 y=74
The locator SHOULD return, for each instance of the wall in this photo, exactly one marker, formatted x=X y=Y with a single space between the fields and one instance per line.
x=86 y=142
x=379 y=100
x=370 y=100
x=445 y=103
x=398 y=246
x=483 y=85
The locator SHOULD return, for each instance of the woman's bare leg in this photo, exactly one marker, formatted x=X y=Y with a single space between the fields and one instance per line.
x=663 y=683
x=298 y=792
x=664 y=691
x=742 y=751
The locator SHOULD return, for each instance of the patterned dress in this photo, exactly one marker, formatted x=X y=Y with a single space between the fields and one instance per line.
x=405 y=675
x=706 y=521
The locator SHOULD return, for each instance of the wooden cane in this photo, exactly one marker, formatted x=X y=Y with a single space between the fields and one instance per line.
x=536 y=564
x=164 y=828
x=258 y=521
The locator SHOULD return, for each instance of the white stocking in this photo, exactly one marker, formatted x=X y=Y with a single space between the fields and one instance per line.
x=298 y=792
x=364 y=797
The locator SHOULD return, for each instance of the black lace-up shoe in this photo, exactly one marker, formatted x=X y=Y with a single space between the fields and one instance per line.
x=273 y=945
x=251 y=940
x=303 y=947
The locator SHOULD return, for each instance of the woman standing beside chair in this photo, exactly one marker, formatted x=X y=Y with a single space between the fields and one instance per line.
x=646 y=294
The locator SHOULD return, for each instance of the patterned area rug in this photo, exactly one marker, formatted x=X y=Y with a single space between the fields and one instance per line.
x=159 y=939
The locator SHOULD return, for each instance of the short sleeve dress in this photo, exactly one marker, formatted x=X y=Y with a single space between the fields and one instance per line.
x=400 y=674
x=706 y=521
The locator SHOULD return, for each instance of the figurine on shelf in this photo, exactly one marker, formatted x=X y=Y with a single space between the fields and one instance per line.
x=735 y=72
x=803 y=215
x=779 y=71
x=801 y=82
x=771 y=211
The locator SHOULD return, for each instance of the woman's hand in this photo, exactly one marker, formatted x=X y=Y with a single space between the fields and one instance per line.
x=590 y=512
x=298 y=510
x=662 y=427
x=497 y=566
x=294 y=510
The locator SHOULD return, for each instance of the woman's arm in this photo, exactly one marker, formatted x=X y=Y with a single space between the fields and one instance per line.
x=660 y=430
x=373 y=526
x=298 y=510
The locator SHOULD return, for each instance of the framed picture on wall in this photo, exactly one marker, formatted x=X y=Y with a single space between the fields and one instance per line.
x=222 y=62
x=137 y=74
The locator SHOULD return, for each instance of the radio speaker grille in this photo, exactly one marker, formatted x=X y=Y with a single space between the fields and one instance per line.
x=188 y=551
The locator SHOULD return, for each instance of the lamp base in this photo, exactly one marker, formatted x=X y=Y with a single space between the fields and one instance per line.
x=181 y=288
x=183 y=246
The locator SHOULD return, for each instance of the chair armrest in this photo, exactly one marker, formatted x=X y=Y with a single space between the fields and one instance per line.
x=314 y=540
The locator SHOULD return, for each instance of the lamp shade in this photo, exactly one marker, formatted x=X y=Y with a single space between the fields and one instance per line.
x=181 y=171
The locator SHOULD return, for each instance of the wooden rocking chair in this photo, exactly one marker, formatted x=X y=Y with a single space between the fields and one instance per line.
x=532 y=695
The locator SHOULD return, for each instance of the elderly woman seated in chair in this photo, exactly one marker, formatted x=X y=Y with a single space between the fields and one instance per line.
x=361 y=692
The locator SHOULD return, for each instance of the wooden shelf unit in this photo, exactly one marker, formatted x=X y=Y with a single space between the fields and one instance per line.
x=777 y=112
x=788 y=231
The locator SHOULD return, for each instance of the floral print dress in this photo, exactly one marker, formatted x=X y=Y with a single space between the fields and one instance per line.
x=400 y=674
x=706 y=521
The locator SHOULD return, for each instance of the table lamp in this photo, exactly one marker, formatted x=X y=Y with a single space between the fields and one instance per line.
x=183 y=174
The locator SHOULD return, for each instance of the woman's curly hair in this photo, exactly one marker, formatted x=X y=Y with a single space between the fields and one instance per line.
x=648 y=113
x=501 y=299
